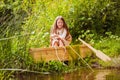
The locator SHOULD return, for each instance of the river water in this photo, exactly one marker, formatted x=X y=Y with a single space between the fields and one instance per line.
x=82 y=74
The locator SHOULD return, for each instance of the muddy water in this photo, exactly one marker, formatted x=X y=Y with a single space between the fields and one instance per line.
x=82 y=74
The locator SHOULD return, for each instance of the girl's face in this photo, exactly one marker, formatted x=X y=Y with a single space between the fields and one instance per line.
x=60 y=23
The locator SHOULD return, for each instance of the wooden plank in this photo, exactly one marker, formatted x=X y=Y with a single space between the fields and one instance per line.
x=59 y=53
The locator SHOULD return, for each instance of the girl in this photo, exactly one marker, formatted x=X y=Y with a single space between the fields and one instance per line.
x=59 y=35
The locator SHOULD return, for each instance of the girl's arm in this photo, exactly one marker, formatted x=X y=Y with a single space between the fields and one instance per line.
x=54 y=36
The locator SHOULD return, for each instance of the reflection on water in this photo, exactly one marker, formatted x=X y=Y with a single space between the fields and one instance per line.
x=101 y=74
x=76 y=75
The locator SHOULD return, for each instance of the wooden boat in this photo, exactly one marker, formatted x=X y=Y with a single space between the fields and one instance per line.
x=60 y=53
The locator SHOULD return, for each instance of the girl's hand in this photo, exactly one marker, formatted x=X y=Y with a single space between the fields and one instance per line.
x=54 y=35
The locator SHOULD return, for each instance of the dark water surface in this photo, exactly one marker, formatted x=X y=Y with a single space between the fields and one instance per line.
x=82 y=74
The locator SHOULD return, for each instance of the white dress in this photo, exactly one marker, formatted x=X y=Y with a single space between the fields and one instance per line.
x=62 y=34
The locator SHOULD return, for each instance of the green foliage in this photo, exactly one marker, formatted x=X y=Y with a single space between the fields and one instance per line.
x=109 y=44
x=56 y=66
x=27 y=23
x=97 y=16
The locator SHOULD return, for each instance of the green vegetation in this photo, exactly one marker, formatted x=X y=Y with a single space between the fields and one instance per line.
x=26 y=23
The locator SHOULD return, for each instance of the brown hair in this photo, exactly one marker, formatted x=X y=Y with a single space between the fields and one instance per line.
x=54 y=27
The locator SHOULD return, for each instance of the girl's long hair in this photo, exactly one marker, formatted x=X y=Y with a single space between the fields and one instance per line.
x=54 y=26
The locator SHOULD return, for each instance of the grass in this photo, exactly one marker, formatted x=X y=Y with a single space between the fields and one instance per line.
x=110 y=46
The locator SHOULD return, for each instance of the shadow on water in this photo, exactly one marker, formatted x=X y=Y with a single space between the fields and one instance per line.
x=98 y=74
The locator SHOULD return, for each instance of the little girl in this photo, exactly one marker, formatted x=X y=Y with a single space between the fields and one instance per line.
x=59 y=35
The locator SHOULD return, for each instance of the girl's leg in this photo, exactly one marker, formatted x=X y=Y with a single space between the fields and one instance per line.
x=61 y=43
x=55 y=44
